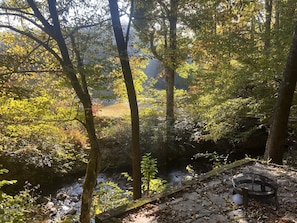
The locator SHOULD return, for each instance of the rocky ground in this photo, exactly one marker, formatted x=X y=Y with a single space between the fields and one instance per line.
x=212 y=200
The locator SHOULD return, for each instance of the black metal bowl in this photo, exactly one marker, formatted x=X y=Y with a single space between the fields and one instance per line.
x=255 y=185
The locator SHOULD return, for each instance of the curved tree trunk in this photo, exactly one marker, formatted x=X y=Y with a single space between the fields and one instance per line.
x=93 y=168
x=124 y=58
x=81 y=89
x=278 y=129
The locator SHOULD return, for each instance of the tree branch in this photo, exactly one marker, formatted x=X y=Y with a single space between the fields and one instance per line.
x=16 y=10
x=153 y=48
x=80 y=65
x=48 y=28
x=164 y=7
x=30 y=71
x=129 y=23
x=23 y=17
x=36 y=40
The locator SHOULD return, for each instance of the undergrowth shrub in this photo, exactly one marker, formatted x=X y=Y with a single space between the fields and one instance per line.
x=19 y=208
x=151 y=184
x=109 y=196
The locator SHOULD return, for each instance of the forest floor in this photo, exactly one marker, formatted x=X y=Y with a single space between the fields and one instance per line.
x=212 y=200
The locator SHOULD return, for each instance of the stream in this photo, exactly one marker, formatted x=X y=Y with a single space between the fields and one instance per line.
x=66 y=200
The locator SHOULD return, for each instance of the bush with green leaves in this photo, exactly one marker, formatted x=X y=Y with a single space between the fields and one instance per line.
x=18 y=208
x=152 y=130
x=150 y=181
x=149 y=171
x=216 y=159
x=110 y=195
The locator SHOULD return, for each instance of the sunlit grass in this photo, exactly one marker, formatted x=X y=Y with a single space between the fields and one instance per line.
x=113 y=110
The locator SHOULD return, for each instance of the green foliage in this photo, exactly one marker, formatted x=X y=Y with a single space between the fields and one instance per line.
x=109 y=195
x=186 y=69
x=39 y=117
x=139 y=78
x=236 y=74
x=191 y=171
x=152 y=130
x=24 y=117
x=150 y=182
x=127 y=176
x=19 y=60
x=19 y=208
x=216 y=159
x=5 y=182
x=149 y=170
x=152 y=116
x=38 y=127
x=225 y=119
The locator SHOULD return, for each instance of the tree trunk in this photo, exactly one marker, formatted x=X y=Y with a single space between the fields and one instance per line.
x=124 y=58
x=93 y=167
x=81 y=89
x=170 y=68
x=278 y=130
x=169 y=83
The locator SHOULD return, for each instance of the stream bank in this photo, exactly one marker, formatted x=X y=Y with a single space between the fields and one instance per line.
x=65 y=202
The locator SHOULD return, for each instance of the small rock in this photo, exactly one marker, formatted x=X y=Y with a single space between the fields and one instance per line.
x=75 y=199
x=71 y=211
x=62 y=196
x=236 y=214
x=53 y=211
x=65 y=208
x=219 y=219
x=190 y=196
x=214 y=183
x=49 y=205
x=205 y=203
x=217 y=199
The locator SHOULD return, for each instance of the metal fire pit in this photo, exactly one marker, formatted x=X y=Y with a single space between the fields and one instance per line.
x=251 y=185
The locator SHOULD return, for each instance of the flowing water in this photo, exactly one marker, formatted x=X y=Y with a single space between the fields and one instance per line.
x=66 y=200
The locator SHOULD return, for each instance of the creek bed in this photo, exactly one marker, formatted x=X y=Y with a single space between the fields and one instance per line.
x=66 y=200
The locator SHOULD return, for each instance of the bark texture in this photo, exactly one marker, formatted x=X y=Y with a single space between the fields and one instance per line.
x=126 y=69
x=278 y=130
x=170 y=67
x=81 y=89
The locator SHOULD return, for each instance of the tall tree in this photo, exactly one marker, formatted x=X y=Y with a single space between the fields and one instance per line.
x=278 y=129
x=156 y=22
x=122 y=45
x=46 y=17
